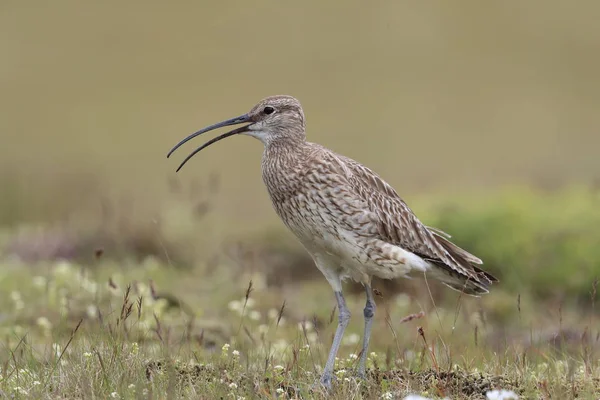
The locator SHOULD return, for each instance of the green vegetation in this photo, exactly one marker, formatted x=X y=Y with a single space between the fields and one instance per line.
x=546 y=244
x=134 y=323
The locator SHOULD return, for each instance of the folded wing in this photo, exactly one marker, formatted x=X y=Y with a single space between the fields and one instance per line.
x=398 y=225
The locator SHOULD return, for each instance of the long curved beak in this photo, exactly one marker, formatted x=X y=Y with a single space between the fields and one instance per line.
x=233 y=121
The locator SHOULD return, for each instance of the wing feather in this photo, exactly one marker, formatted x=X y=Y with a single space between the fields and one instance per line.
x=398 y=225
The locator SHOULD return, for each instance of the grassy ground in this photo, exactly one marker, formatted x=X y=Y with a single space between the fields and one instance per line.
x=123 y=309
x=146 y=330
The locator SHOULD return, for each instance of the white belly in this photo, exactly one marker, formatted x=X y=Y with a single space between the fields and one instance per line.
x=352 y=256
x=345 y=246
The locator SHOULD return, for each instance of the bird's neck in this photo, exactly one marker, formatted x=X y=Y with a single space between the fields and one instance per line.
x=282 y=162
x=285 y=150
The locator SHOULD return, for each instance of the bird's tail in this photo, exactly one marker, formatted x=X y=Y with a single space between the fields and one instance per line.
x=457 y=281
x=470 y=279
x=455 y=251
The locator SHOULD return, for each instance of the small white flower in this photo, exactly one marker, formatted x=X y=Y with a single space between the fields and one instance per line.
x=36 y=383
x=87 y=354
x=235 y=305
x=115 y=395
x=280 y=391
x=278 y=368
x=225 y=350
x=501 y=395
x=233 y=385
x=307 y=325
x=254 y=315
x=63 y=307
x=44 y=323
x=387 y=396
x=39 y=281
x=235 y=353
x=89 y=286
x=91 y=311
x=63 y=268
x=15 y=295
x=20 y=390
x=353 y=356
x=340 y=372
x=131 y=386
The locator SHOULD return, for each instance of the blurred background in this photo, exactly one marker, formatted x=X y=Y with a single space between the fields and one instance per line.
x=483 y=116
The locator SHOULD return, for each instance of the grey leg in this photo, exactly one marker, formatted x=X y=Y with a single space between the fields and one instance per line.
x=344 y=318
x=369 y=312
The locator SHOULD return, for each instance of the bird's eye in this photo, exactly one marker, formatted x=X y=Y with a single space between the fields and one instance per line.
x=269 y=110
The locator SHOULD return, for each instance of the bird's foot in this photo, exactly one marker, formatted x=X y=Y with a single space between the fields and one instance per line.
x=361 y=373
x=325 y=382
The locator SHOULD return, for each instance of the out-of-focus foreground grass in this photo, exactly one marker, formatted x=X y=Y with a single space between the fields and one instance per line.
x=126 y=310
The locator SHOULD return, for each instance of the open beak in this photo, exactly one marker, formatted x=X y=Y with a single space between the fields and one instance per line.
x=233 y=121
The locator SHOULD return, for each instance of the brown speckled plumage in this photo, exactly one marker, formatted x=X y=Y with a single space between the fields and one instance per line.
x=351 y=221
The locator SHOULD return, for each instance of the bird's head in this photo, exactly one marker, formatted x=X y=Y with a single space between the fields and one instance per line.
x=273 y=119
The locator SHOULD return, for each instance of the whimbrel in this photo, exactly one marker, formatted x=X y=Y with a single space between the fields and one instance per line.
x=353 y=224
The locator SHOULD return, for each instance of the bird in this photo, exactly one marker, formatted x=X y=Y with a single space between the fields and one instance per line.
x=352 y=223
